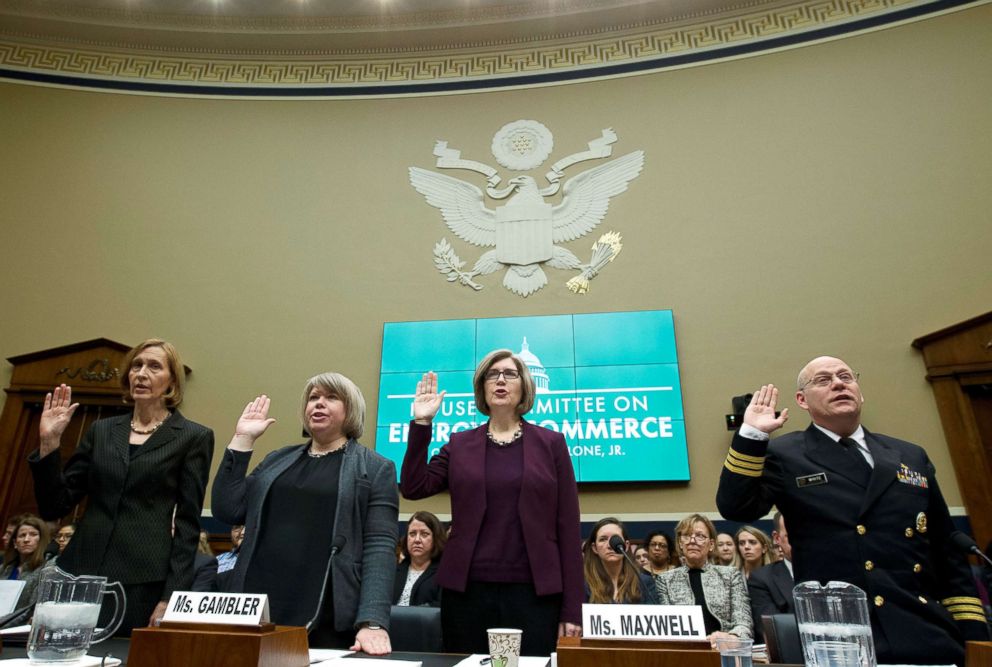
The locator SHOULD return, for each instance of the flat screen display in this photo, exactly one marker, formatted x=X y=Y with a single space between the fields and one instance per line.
x=608 y=381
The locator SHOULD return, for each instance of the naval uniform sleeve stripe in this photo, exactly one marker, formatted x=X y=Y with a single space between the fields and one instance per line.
x=741 y=471
x=962 y=600
x=970 y=617
x=746 y=457
x=745 y=464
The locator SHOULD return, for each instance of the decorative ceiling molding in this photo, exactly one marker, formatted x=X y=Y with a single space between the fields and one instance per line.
x=438 y=63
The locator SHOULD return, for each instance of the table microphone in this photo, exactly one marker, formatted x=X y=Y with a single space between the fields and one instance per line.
x=617 y=544
x=963 y=542
x=336 y=546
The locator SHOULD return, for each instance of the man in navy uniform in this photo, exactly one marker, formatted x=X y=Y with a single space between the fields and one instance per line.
x=770 y=587
x=861 y=507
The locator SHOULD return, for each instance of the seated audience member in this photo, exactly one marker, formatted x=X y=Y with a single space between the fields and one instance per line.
x=726 y=551
x=771 y=587
x=661 y=552
x=641 y=558
x=204 y=565
x=718 y=589
x=610 y=577
x=415 y=585
x=754 y=547
x=25 y=559
x=226 y=561
x=64 y=535
x=8 y=532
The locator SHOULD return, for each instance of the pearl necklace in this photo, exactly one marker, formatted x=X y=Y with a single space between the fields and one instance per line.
x=505 y=443
x=147 y=431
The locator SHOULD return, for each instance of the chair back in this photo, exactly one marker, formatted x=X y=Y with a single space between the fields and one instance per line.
x=782 y=639
x=416 y=629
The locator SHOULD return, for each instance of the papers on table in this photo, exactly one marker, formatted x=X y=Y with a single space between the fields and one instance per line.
x=367 y=662
x=476 y=659
x=10 y=591
x=318 y=655
x=85 y=661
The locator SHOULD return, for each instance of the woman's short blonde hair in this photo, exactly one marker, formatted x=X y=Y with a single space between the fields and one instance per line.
x=686 y=525
x=174 y=396
x=527 y=388
x=335 y=384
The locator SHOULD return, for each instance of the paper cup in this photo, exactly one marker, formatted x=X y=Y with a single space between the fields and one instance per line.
x=504 y=646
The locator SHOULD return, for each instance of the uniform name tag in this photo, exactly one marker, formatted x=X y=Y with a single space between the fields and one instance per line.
x=811 y=480
x=642 y=621
x=231 y=608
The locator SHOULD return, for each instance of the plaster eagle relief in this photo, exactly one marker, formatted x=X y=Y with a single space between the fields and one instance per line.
x=526 y=231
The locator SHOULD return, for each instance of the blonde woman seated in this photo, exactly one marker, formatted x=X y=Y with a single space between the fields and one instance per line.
x=610 y=577
x=755 y=548
x=718 y=589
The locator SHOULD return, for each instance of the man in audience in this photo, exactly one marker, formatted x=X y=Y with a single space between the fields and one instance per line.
x=770 y=587
x=861 y=507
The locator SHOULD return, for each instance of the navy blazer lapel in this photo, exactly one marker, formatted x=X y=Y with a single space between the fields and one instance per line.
x=783 y=581
x=884 y=472
x=169 y=431
x=824 y=451
x=120 y=433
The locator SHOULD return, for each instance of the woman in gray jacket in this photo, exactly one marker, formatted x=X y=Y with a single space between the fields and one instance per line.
x=320 y=520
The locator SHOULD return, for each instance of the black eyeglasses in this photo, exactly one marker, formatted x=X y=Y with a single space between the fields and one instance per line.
x=508 y=374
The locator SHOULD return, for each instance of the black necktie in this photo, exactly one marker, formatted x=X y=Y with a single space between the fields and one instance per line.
x=860 y=467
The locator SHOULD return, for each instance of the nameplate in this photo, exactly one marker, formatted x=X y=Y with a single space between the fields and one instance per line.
x=642 y=621
x=232 y=608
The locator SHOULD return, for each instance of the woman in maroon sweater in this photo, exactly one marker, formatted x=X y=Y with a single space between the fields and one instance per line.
x=514 y=556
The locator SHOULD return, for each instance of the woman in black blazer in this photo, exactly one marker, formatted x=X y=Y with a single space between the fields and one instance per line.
x=136 y=471
x=421 y=547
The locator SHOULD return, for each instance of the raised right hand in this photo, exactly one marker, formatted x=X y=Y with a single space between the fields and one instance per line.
x=55 y=417
x=760 y=411
x=426 y=402
x=253 y=423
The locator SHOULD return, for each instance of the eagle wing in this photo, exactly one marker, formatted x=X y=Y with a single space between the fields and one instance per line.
x=587 y=196
x=460 y=203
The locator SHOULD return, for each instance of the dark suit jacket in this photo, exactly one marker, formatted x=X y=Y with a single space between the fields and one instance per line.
x=126 y=533
x=548 y=509
x=425 y=591
x=365 y=522
x=890 y=539
x=770 y=588
x=204 y=573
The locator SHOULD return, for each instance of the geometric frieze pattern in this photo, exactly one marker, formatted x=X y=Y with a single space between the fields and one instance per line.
x=494 y=62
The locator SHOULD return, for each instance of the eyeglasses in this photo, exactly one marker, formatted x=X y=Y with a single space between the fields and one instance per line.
x=825 y=379
x=62 y=537
x=658 y=545
x=699 y=538
x=508 y=374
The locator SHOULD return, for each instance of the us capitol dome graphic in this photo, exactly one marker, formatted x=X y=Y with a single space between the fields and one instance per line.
x=534 y=366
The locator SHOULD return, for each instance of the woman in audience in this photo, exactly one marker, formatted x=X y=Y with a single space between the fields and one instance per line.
x=641 y=558
x=661 y=552
x=24 y=560
x=421 y=548
x=718 y=589
x=610 y=577
x=320 y=519
x=136 y=470
x=64 y=536
x=755 y=549
x=513 y=558
x=726 y=551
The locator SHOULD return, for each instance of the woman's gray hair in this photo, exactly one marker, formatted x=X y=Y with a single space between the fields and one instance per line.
x=335 y=384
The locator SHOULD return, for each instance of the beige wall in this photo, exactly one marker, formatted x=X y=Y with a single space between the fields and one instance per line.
x=828 y=199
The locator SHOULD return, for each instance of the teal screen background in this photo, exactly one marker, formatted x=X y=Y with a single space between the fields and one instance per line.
x=608 y=381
